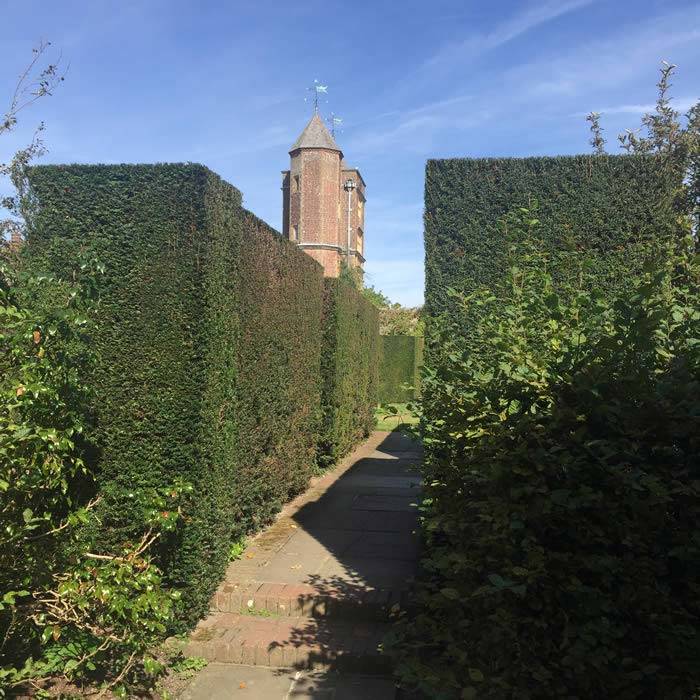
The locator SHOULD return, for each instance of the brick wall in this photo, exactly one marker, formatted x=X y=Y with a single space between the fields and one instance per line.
x=357 y=223
x=312 y=203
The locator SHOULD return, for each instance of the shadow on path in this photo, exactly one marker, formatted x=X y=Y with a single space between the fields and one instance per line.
x=363 y=533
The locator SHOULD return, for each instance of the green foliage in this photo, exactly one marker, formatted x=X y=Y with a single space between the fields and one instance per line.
x=43 y=412
x=605 y=206
x=597 y=139
x=350 y=364
x=236 y=549
x=399 y=372
x=36 y=81
x=65 y=609
x=395 y=319
x=561 y=515
x=257 y=612
x=103 y=618
x=675 y=142
x=375 y=297
x=209 y=341
x=188 y=666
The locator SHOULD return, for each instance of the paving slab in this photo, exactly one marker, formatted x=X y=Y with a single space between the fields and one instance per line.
x=412 y=456
x=296 y=642
x=224 y=681
x=370 y=482
x=362 y=520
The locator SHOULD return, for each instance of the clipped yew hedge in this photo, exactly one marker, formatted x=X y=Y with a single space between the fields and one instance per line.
x=607 y=206
x=209 y=341
x=350 y=366
x=402 y=357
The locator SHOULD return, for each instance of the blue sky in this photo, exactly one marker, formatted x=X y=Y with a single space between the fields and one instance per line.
x=223 y=83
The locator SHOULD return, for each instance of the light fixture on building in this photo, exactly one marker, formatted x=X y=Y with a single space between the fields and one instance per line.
x=349 y=186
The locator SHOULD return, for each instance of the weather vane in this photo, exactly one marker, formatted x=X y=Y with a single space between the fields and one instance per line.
x=317 y=89
x=334 y=122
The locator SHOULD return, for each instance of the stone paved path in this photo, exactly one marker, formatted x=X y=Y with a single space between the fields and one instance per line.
x=303 y=612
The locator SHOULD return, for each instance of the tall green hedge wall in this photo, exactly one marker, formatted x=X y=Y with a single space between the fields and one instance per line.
x=350 y=367
x=605 y=205
x=210 y=350
x=402 y=358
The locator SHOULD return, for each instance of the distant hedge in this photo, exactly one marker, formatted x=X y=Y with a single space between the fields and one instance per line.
x=350 y=366
x=210 y=346
x=604 y=205
x=402 y=357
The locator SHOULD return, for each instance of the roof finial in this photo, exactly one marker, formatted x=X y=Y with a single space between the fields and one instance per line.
x=335 y=121
x=317 y=89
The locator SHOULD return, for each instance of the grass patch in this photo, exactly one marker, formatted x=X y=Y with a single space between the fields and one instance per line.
x=394 y=416
x=257 y=612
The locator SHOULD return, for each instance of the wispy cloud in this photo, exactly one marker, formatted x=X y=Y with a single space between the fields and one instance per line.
x=611 y=61
x=680 y=104
x=527 y=20
x=415 y=129
x=540 y=89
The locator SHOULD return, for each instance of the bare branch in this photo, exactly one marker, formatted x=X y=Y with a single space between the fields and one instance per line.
x=32 y=86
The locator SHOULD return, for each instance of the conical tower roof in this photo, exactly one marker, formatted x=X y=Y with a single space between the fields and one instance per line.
x=315 y=135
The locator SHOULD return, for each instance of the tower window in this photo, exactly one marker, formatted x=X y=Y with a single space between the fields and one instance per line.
x=360 y=242
x=295 y=184
x=295 y=233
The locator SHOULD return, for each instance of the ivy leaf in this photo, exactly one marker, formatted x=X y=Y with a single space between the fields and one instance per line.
x=451 y=593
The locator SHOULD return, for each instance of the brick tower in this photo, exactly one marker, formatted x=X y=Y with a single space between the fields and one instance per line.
x=323 y=201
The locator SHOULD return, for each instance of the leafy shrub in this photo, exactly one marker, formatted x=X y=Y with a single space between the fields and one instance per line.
x=402 y=357
x=208 y=342
x=562 y=510
x=394 y=319
x=350 y=365
x=67 y=608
